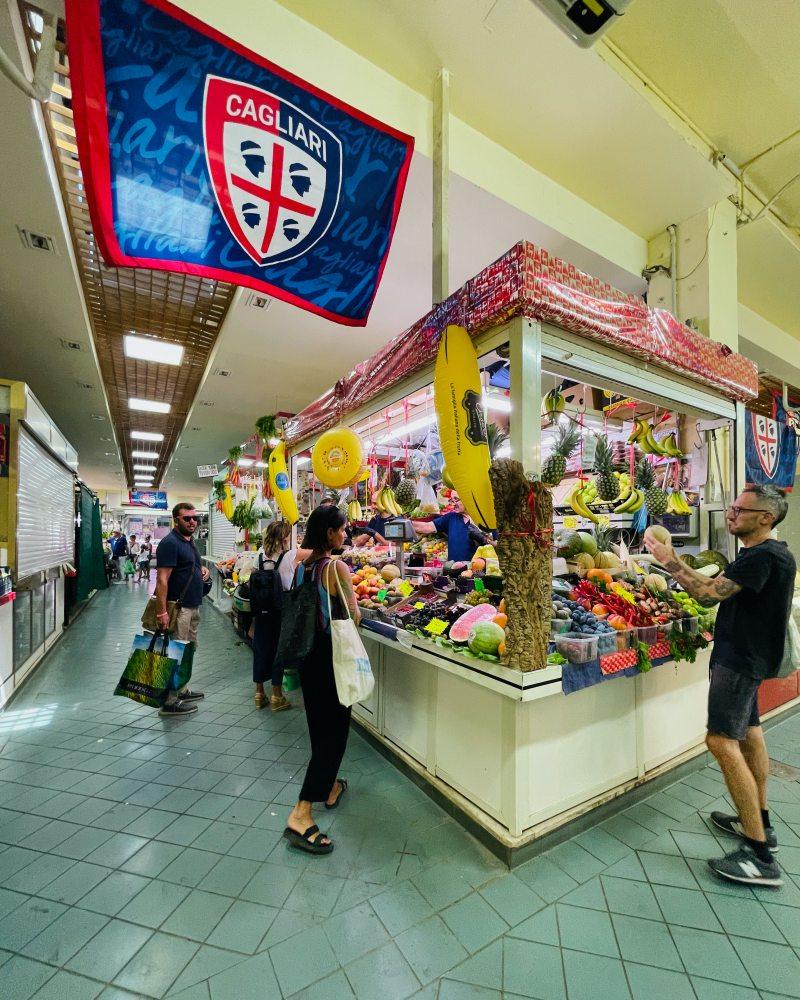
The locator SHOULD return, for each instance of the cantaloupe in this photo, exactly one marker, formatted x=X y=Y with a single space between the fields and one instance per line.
x=461 y=627
x=390 y=572
x=584 y=563
x=659 y=533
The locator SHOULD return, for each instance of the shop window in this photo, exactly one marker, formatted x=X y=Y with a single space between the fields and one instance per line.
x=22 y=628
x=37 y=618
x=49 y=608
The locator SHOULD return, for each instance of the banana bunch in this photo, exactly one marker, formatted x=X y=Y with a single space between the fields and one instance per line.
x=642 y=435
x=677 y=503
x=578 y=503
x=354 y=511
x=386 y=503
x=631 y=503
x=227 y=503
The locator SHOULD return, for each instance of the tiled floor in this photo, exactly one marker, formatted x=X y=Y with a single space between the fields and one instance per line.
x=143 y=858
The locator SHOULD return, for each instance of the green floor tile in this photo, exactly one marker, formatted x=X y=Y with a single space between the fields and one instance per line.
x=541 y=927
x=484 y=968
x=512 y=898
x=710 y=989
x=647 y=983
x=355 y=932
x=65 y=936
x=604 y=847
x=635 y=899
x=431 y=949
x=707 y=954
x=647 y=942
x=253 y=979
x=335 y=987
x=786 y=918
x=576 y=861
x=772 y=967
x=629 y=867
x=21 y=977
x=270 y=885
x=453 y=990
x=113 y=893
x=156 y=965
x=533 y=970
x=152 y=859
x=68 y=986
x=197 y=916
x=663 y=869
x=27 y=920
x=590 y=895
x=190 y=866
x=207 y=962
x=243 y=927
x=586 y=930
x=474 y=922
x=401 y=907
x=109 y=951
x=383 y=974
x=546 y=879
x=442 y=885
x=302 y=960
x=154 y=903
x=591 y=976
x=744 y=917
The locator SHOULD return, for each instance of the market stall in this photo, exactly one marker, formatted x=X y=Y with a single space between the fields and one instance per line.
x=624 y=418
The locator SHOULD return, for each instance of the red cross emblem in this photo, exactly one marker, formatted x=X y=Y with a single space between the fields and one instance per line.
x=276 y=172
x=766 y=434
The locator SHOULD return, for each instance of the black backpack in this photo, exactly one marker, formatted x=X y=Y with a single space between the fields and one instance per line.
x=266 y=589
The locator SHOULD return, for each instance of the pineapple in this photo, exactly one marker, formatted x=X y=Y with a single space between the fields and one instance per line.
x=655 y=498
x=603 y=535
x=406 y=492
x=555 y=466
x=607 y=482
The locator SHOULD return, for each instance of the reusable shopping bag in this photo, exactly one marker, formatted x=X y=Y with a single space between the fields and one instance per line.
x=791 y=650
x=153 y=669
x=128 y=568
x=298 y=622
x=351 y=666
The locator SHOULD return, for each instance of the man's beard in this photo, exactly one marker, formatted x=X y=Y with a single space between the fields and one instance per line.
x=186 y=532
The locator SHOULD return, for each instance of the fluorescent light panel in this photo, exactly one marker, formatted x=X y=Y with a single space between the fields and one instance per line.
x=153 y=456
x=151 y=349
x=144 y=468
x=146 y=436
x=148 y=405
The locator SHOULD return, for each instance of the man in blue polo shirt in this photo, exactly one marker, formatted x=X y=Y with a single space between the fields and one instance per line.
x=180 y=576
x=463 y=535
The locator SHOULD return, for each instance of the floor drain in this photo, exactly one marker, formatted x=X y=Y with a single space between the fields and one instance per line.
x=781 y=770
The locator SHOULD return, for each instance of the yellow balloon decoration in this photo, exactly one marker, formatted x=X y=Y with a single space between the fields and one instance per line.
x=458 y=396
x=337 y=457
x=281 y=483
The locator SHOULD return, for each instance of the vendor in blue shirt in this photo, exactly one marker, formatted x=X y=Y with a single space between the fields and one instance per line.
x=374 y=531
x=463 y=535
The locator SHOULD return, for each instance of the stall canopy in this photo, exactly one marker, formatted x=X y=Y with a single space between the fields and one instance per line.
x=527 y=281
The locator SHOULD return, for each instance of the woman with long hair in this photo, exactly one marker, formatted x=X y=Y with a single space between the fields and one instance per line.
x=328 y=720
x=274 y=555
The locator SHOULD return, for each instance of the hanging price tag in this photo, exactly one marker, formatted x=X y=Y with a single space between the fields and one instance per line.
x=571 y=523
x=436 y=626
x=406 y=589
x=603 y=520
x=479 y=586
x=419 y=604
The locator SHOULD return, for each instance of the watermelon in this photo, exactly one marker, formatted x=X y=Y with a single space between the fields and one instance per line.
x=485 y=637
x=710 y=558
x=588 y=543
x=568 y=543
x=461 y=628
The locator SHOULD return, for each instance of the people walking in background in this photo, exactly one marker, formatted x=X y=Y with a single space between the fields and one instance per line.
x=180 y=576
x=119 y=552
x=755 y=592
x=133 y=556
x=273 y=575
x=328 y=720
x=143 y=560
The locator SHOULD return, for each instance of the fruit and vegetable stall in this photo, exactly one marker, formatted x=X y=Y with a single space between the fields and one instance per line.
x=568 y=419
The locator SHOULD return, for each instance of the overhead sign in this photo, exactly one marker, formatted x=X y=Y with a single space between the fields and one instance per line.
x=203 y=471
x=154 y=499
x=202 y=157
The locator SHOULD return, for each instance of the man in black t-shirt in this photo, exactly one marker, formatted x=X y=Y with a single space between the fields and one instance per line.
x=755 y=592
x=180 y=576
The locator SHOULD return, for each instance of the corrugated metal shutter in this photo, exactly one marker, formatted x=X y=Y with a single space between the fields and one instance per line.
x=46 y=509
x=221 y=533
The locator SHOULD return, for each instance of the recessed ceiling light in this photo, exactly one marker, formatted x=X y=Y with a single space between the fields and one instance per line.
x=153 y=456
x=146 y=436
x=151 y=349
x=144 y=468
x=98 y=416
x=149 y=405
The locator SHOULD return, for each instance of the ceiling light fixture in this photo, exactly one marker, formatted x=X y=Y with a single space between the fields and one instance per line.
x=245 y=463
x=146 y=436
x=153 y=456
x=150 y=349
x=493 y=402
x=405 y=429
x=149 y=405
x=144 y=468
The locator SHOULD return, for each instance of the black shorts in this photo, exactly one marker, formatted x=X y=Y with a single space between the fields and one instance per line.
x=732 y=703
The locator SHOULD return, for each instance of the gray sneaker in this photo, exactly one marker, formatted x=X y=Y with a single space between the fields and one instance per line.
x=177 y=708
x=745 y=867
x=733 y=826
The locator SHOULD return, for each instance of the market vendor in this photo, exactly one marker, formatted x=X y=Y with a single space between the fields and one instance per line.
x=463 y=535
x=373 y=531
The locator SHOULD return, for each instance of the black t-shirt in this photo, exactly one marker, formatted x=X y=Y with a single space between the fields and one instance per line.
x=750 y=632
x=179 y=554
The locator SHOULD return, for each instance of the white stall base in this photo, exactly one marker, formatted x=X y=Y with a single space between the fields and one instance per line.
x=511 y=750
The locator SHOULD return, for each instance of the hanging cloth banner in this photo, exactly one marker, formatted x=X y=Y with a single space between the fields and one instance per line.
x=202 y=157
x=770 y=448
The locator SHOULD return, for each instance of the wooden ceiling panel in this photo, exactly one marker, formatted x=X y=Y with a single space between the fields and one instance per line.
x=178 y=308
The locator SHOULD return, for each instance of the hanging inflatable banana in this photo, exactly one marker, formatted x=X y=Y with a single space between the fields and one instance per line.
x=281 y=484
x=337 y=457
x=458 y=397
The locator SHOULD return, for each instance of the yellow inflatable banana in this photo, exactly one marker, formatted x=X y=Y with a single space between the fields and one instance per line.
x=337 y=457
x=227 y=503
x=281 y=484
x=458 y=396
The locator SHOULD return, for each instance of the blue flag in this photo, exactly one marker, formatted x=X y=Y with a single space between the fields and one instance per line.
x=770 y=448
x=202 y=157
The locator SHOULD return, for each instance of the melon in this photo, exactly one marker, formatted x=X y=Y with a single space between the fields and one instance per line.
x=689 y=559
x=584 y=563
x=659 y=533
x=568 y=543
x=390 y=572
x=710 y=558
x=485 y=637
x=461 y=627
x=656 y=583
x=588 y=543
x=607 y=560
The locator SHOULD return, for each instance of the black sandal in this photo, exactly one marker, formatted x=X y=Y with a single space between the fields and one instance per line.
x=303 y=841
x=343 y=783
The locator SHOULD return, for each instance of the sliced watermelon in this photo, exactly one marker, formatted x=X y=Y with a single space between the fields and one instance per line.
x=460 y=629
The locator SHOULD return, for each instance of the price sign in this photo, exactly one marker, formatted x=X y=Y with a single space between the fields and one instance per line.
x=382 y=594
x=419 y=605
x=406 y=589
x=571 y=523
x=604 y=520
x=436 y=626
x=479 y=586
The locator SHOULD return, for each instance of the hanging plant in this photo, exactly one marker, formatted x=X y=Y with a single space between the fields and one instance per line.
x=496 y=437
x=235 y=453
x=266 y=427
x=219 y=491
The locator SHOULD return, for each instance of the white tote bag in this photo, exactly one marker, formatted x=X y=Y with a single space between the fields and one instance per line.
x=351 y=666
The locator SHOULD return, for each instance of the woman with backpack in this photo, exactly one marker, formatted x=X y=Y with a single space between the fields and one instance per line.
x=328 y=720
x=273 y=574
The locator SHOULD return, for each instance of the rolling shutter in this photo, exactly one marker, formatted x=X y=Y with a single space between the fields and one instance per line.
x=221 y=533
x=45 y=509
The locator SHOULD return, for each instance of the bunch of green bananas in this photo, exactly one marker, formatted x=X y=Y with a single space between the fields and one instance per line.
x=631 y=502
x=354 y=511
x=386 y=503
x=642 y=435
x=677 y=503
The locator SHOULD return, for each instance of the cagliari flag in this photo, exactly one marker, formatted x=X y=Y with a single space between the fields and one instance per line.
x=202 y=157
x=771 y=447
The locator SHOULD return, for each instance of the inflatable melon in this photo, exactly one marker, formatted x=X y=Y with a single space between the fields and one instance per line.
x=461 y=627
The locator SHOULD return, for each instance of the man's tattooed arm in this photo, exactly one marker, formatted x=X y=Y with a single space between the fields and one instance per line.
x=699 y=586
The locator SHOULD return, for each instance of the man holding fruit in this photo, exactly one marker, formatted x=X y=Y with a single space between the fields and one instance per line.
x=755 y=595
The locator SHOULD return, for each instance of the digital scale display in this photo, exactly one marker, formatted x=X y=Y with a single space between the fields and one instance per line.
x=399 y=531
